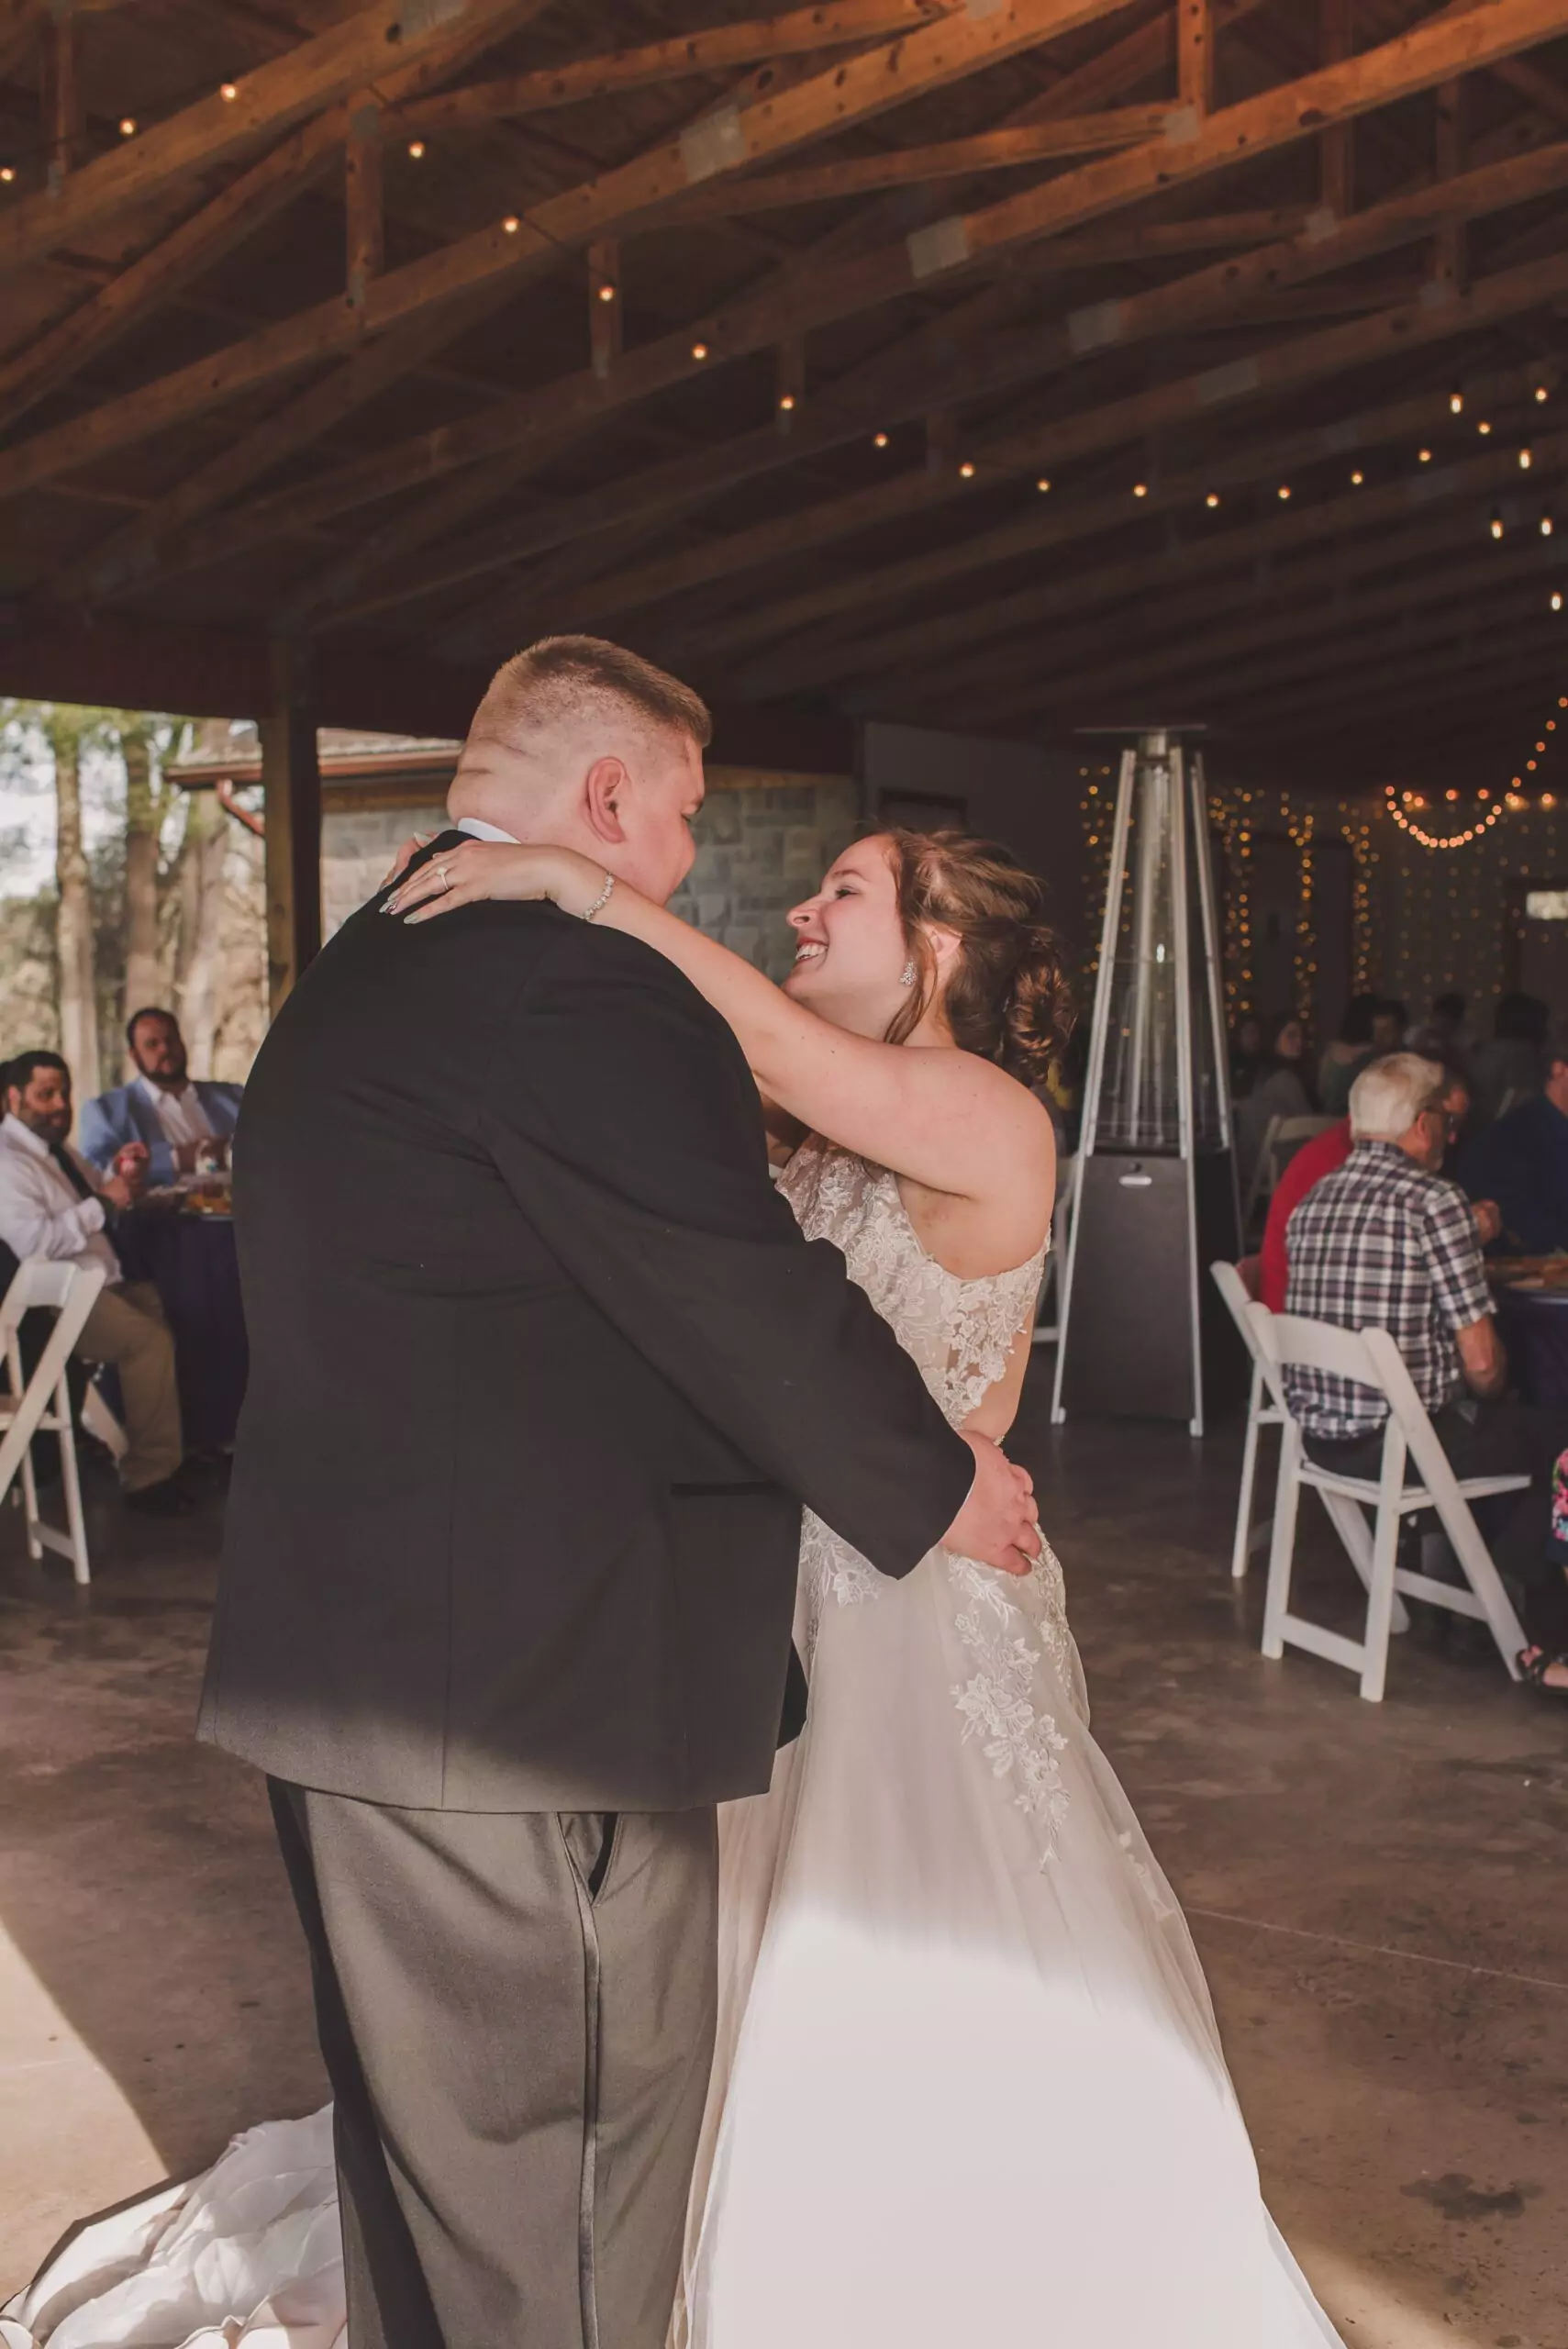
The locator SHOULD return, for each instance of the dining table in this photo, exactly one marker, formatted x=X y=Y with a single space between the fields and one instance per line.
x=1532 y=1294
x=183 y=1241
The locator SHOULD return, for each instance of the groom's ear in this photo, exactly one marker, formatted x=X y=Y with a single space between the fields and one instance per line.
x=606 y=785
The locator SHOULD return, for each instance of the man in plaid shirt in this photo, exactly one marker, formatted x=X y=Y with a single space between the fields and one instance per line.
x=1386 y=1242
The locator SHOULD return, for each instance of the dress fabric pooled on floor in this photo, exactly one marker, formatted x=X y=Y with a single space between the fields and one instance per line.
x=968 y=2083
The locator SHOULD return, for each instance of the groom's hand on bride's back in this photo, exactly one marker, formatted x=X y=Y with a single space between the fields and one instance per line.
x=998 y=1523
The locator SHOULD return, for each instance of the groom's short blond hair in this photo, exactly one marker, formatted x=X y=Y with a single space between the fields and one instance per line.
x=569 y=677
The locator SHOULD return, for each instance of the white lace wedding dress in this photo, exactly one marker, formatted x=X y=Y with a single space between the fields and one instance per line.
x=968 y=2085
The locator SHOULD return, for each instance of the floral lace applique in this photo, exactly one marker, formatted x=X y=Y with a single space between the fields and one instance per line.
x=1021 y=1743
x=959 y=1334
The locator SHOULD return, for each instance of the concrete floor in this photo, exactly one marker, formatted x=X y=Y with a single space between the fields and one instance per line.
x=1377 y=1892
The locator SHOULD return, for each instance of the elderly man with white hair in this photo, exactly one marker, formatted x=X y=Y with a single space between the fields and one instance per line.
x=1387 y=1242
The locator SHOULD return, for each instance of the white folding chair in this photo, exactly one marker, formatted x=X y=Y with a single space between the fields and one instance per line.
x=1283 y=1137
x=1239 y=1293
x=1371 y=1357
x=1046 y=1328
x=42 y=1405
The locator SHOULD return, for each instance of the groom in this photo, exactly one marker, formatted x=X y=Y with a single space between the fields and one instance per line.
x=541 y=1373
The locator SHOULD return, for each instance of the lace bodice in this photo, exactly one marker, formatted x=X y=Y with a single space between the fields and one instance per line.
x=958 y=1331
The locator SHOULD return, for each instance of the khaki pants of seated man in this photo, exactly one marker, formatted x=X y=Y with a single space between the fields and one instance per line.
x=127 y=1326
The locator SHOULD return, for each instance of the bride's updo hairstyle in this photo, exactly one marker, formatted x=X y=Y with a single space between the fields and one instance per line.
x=1006 y=996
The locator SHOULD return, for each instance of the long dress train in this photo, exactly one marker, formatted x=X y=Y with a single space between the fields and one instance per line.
x=968 y=2083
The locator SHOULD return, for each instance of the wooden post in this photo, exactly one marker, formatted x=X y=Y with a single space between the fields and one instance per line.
x=365 y=215
x=604 y=305
x=291 y=782
x=1451 y=246
x=1336 y=148
x=1195 y=54
x=61 y=91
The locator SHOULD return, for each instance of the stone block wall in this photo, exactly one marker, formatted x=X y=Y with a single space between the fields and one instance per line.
x=763 y=842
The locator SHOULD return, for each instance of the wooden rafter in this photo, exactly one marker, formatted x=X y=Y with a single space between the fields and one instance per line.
x=1102 y=425
x=716 y=51
x=527 y=244
x=265 y=102
x=906 y=649
x=991 y=150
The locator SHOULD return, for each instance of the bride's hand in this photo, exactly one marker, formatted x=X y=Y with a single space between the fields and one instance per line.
x=480 y=869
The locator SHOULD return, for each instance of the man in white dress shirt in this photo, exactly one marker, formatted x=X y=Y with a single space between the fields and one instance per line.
x=55 y=1203
x=175 y=1116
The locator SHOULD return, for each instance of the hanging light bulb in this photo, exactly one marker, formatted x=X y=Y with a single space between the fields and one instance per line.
x=1496 y=524
x=1524 y=460
x=1456 y=401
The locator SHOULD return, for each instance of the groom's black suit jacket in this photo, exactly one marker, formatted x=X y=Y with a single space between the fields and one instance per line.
x=542 y=1371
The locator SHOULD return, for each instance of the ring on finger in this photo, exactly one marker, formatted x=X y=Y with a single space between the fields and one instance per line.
x=444 y=877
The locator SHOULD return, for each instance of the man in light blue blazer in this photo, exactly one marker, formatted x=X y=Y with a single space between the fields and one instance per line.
x=173 y=1118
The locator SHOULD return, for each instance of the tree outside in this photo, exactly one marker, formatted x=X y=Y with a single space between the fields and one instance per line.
x=117 y=890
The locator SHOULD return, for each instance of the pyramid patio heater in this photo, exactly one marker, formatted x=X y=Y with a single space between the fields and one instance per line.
x=1144 y=1329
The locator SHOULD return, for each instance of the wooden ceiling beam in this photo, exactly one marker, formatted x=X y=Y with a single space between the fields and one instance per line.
x=903 y=653
x=990 y=151
x=525 y=245
x=301 y=82
x=1323 y=600
x=718 y=49
x=1279 y=367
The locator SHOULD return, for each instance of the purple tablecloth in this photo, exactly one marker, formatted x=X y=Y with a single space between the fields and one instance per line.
x=1533 y=1324
x=191 y=1261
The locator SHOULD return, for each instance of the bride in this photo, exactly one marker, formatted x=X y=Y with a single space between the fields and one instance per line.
x=968 y=2083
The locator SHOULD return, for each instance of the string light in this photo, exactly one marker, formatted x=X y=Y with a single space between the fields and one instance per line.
x=1540 y=391
x=511 y=224
x=787 y=401
x=1213 y=499
x=699 y=351
x=880 y=441
x=607 y=292
x=1357 y=479
x=415 y=148
x=7 y=173
x=128 y=126
x=1484 y=428
x=966 y=470
x=1496 y=524
x=1424 y=456
x=1557 y=599
x=229 y=91
x=1546 y=526
x=1456 y=401
x=1042 y=485
x=1140 y=489
x=1524 y=460
x=1283 y=489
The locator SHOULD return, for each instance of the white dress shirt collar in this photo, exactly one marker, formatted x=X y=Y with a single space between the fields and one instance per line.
x=181 y=1114
x=477 y=829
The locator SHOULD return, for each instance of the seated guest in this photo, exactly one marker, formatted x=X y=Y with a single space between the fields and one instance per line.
x=1504 y=1069
x=1522 y=1162
x=55 y=1204
x=1246 y=1054
x=1545 y=1661
x=174 y=1116
x=1321 y=1156
x=1440 y=1036
x=1387 y=1242
x=1279 y=1091
x=1344 y=1059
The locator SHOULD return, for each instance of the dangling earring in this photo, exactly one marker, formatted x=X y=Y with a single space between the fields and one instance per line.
x=906 y=976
